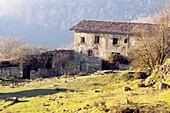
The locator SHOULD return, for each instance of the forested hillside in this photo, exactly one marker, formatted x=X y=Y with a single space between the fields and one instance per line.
x=48 y=21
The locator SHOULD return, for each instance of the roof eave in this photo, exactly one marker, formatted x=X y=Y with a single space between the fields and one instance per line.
x=102 y=32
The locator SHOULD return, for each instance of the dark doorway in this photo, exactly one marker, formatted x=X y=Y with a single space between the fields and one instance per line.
x=48 y=64
x=106 y=65
x=83 y=67
x=90 y=53
x=26 y=72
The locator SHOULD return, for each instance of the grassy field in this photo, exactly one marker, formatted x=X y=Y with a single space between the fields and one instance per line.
x=87 y=94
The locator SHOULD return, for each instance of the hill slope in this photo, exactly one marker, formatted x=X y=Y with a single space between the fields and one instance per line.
x=94 y=94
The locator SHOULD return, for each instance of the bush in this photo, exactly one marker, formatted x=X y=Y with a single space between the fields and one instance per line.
x=82 y=74
x=140 y=85
x=127 y=76
x=140 y=75
x=114 y=58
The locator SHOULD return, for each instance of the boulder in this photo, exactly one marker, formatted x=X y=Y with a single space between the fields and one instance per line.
x=126 y=101
x=146 y=91
x=14 y=99
x=140 y=85
x=126 y=88
x=46 y=104
x=140 y=75
x=163 y=86
x=96 y=91
x=60 y=97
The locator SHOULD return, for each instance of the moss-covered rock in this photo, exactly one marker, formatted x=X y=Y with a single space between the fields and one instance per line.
x=140 y=75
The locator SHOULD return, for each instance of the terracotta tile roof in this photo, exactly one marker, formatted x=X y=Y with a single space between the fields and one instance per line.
x=109 y=26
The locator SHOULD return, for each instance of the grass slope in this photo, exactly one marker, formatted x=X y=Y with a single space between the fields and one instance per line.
x=88 y=94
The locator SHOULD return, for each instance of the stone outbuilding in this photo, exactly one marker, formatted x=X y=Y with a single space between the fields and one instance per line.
x=51 y=63
x=60 y=62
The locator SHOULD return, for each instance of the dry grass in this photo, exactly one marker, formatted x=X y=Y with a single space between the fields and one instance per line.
x=79 y=95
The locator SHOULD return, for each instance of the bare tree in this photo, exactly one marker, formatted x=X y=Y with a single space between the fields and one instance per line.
x=25 y=50
x=152 y=45
x=15 y=48
x=8 y=47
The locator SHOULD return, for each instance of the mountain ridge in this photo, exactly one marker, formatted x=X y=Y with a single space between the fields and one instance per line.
x=41 y=20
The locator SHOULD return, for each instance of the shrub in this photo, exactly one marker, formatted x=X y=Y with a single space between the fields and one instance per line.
x=82 y=74
x=157 y=76
x=114 y=58
x=101 y=106
x=140 y=75
x=140 y=85
x=127 y=76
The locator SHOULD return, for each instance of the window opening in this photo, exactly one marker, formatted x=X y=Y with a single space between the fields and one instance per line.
x=90 y=53
x=125 y=41
x=96 y=39
x=116 y=53
x=115 y=41
x=82 y=40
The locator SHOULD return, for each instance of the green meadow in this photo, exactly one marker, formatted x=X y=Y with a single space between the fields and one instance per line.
x=86 y=94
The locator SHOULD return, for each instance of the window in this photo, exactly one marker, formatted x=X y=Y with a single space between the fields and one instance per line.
x=90 y=53
x=116 y=53
x=96 y=40
x=82 y=40
x=115 y=41
x=125 y=41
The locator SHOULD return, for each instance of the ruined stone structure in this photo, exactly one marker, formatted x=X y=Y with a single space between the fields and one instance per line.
x=66 y=62
x=8 y=70
x=53 y=63
x=59 y=62
x=101 y=38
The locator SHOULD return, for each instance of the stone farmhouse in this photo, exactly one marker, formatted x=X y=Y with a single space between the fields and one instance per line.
x=101 y=38
x=93 y=41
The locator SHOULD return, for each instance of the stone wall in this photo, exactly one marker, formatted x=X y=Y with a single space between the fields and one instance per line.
x=42 y=72
x=74 y=63
x=6 y=72
x=54 y=63
x=105 y=46
x=123 y=67
x=92 y=68
x=68 y=62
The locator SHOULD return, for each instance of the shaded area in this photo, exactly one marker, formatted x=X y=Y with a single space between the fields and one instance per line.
x=99 y=84
x=16 y=102
x=7 y=82
x=32 y=93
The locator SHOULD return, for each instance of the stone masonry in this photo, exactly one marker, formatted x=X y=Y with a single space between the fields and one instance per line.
x=105 y=46
x=67 y=62
x=52 y=63
x=7 y=72
x=102 y=38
